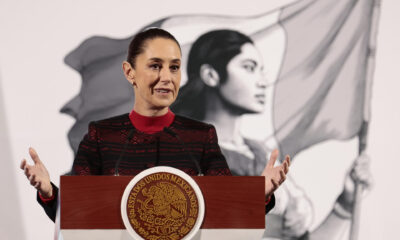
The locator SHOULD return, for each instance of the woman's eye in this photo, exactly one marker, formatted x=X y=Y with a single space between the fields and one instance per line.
x=175 y=67
x=249 y=68
x=155 y=66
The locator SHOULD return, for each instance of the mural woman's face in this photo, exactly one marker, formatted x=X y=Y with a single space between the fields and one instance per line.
x=245 y=84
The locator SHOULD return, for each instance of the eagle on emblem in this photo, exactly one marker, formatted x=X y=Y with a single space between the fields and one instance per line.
x=165 y=199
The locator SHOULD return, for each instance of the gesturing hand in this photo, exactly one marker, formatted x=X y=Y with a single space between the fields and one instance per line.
x=37 y=174
x=275 y=176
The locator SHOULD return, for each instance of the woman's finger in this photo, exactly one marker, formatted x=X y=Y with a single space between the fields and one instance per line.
x=358 y=170
x=272 y=159
x=361 y=160
x=275 y=184
x=32 y=179
x=23 y=163
x=34 y=155
x=285 y=166
x=282 y=176
x=287 y=159
x=26 y=170
x=365 y=179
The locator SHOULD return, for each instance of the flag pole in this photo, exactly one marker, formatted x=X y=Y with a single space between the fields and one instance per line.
x=363 y=134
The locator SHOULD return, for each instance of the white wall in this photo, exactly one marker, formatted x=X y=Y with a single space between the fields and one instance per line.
x=35 y=83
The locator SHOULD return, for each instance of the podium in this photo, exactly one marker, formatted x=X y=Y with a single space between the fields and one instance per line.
x=90 y=207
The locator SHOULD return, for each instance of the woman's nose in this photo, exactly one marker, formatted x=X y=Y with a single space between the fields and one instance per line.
x=262 y=82
x=165 y=75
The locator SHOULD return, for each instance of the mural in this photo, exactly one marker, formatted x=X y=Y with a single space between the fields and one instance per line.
x=286 y=79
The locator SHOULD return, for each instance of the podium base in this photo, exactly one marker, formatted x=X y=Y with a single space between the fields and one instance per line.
x=122 y=234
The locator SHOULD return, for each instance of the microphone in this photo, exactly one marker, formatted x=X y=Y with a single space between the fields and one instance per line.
x=130 y=135
x=196 y=163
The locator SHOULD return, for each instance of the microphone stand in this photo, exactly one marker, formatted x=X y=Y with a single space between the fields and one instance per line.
x=129 y=138
x=196 y=163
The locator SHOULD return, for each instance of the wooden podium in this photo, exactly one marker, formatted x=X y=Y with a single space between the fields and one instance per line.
x=90 y=207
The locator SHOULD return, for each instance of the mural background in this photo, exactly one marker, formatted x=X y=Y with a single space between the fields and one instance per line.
x=35 y=84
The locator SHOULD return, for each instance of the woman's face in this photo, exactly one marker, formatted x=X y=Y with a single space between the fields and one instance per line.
x=245 y=84
x=157 y=74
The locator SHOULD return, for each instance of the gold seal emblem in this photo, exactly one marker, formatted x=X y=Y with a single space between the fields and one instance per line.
x=162 y=206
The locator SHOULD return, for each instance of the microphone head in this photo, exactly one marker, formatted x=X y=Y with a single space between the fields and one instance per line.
x=130 y=134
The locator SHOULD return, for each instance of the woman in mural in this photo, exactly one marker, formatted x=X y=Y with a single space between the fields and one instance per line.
x=226 y=81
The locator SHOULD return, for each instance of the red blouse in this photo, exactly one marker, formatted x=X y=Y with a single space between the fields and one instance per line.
x=151 y=125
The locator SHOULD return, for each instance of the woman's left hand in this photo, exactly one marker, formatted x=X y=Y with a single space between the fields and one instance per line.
x=275 y=175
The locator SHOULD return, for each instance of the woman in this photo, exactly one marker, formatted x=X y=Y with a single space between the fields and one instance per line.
x=226 y=81
x=138 y=139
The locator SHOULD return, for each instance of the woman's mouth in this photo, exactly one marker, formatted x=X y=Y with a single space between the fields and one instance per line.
x=162 y=90
x=260 y=98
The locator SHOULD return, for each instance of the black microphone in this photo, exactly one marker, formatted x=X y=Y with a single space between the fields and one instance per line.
x=196 y=163
x=130 y=135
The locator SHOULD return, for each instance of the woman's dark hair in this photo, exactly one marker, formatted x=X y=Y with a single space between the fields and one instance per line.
x=215 y=48
x=138 y=43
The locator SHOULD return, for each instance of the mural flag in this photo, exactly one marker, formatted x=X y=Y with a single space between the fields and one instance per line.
x=315 y=51
x=320 y=90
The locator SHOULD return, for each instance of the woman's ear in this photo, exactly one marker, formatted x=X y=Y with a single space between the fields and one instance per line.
x=129 y=72
x=209 y=75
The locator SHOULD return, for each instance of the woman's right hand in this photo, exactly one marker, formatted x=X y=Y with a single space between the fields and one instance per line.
x=360 y=174
x=38 y=175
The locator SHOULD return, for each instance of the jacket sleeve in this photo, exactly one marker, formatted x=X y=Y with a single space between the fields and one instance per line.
x=50 y=207
x=87 y=162
x=270 y=205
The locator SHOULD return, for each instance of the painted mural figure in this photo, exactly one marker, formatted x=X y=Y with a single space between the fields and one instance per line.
x=226 y=81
